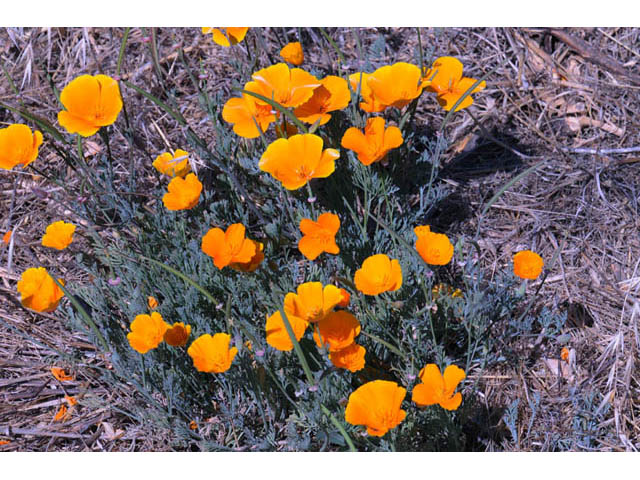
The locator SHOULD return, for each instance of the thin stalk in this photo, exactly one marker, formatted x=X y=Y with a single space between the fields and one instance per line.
x=340 y=428
x=123 y=45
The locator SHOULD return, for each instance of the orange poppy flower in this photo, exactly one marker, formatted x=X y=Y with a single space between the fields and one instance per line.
x=71 y=400
x=370 y=103
x=91 y=102
x=292 y=53
x=333 y=94
x=396 y=85
x=226 y=36
x=176 y=165
x=312 y=302
x=377 y=406
x=277 y=335
x=350 y=358
x=212 y=354
x=438 y=388
x=527 y=264
x=434 y=248
x=39 y=291
x=449 y=84
x=255 y=261
x=4 y=442
x=228 y=247
x=152 y=303
x=18 y=146
x=60 y=374
x=58 y=235
x=345 y=298
x=177 y=335
x=319 y=236
x=378 y=274
x=183 y=194
x=288 y=87
x=61 y=415
x=376 y=141
x=248 y=116
x=147 y=332
x=296 y=160
x=6 y=238
x=337 y=330
x=564 y=354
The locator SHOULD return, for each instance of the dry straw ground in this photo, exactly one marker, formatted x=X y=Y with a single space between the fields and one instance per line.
x=568 y=98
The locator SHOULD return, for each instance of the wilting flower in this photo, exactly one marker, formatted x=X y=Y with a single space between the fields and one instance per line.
x=312 y=302
x=434 y=248
x=183 y=194
x=226 y=36
x=296 y=160
x=193 y=425
x=6 y=238
x=319 y=236
x=61 y=415
x=292 y=53
x=376 y=141
x=18 y=146
x=370 y=102
x=177 y=334
x=449 y=84
x=147 y=332
x=396 y=85
x=345 y=298
x=60 y=374
x=527 y=264
x=438 y=388
x=39 y=291
x=288 y=87
x=564 y=354
x=277 y=335
x=337 y=330
x=377 y=406
x=378 y=274
x=248 y=116
x=212 y=354
x=91 y=102
x=58 y=235
x=350 y=358
x=152 y=303
x=332 y=95
x=228 y=247
x=176 y=165
x=255 y=261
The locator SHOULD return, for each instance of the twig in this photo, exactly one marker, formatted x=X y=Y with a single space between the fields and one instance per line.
x=598 y=151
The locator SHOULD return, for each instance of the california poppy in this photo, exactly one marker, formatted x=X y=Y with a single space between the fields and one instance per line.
x=287 y=87
x=18 y=145
x=176 y=165
x=292 y=53
x=370 y=103
x=350 y=358
x=62 y=414
x=447 y=82
x=296 y=160
x=319 y=236
x=212 y=354
x=152 y=303
x=177 y=334
x=183 y=193
x=438 y=388
x=248 y=117
x=60 y=374
x=58 y=235
x=226 y=36
x=39 y=291
x=333 y=94
x=345 y=298
x=312 y=302
x=337 y=330
x=229 y=247
x=434 y=248
x=376 y=141
x=91 y=102
x=378 y=274
x=254 y=262
x=147 y=332
x=377 y=406
x=396 y=85
x=276 y=332
x=6 y=238
x=527 y=264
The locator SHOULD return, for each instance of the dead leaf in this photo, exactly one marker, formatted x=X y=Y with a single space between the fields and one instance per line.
x=91 y=148
x=109 y=433
x=559 y=368
x=576 y=124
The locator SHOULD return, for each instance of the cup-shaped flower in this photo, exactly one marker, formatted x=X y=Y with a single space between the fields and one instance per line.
x=183 y=194
x=255 y=261
x=288 y=87
x=345 y=298
x=378 y=274
x=176 y=165
x=147 y=332
x=177 y=334
x=292 y=53
x=228 y=247
x=248 y=117
x=527 y=264
x=434 y=248
x=319 y=236
x=350 y=358
x=438 y=388
x=296 y=160
x=376 y=141
x=58 y=235
x=396 y=85
x=18 y=145
x=312 y=302
x=370 y=103
x=226 y=36
x=91 y=102
x=277 y=335
x=337 y=330
x=447 y=82
x=376 y=405
x=38 y=290
x=332 y=95
x=212 y=354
